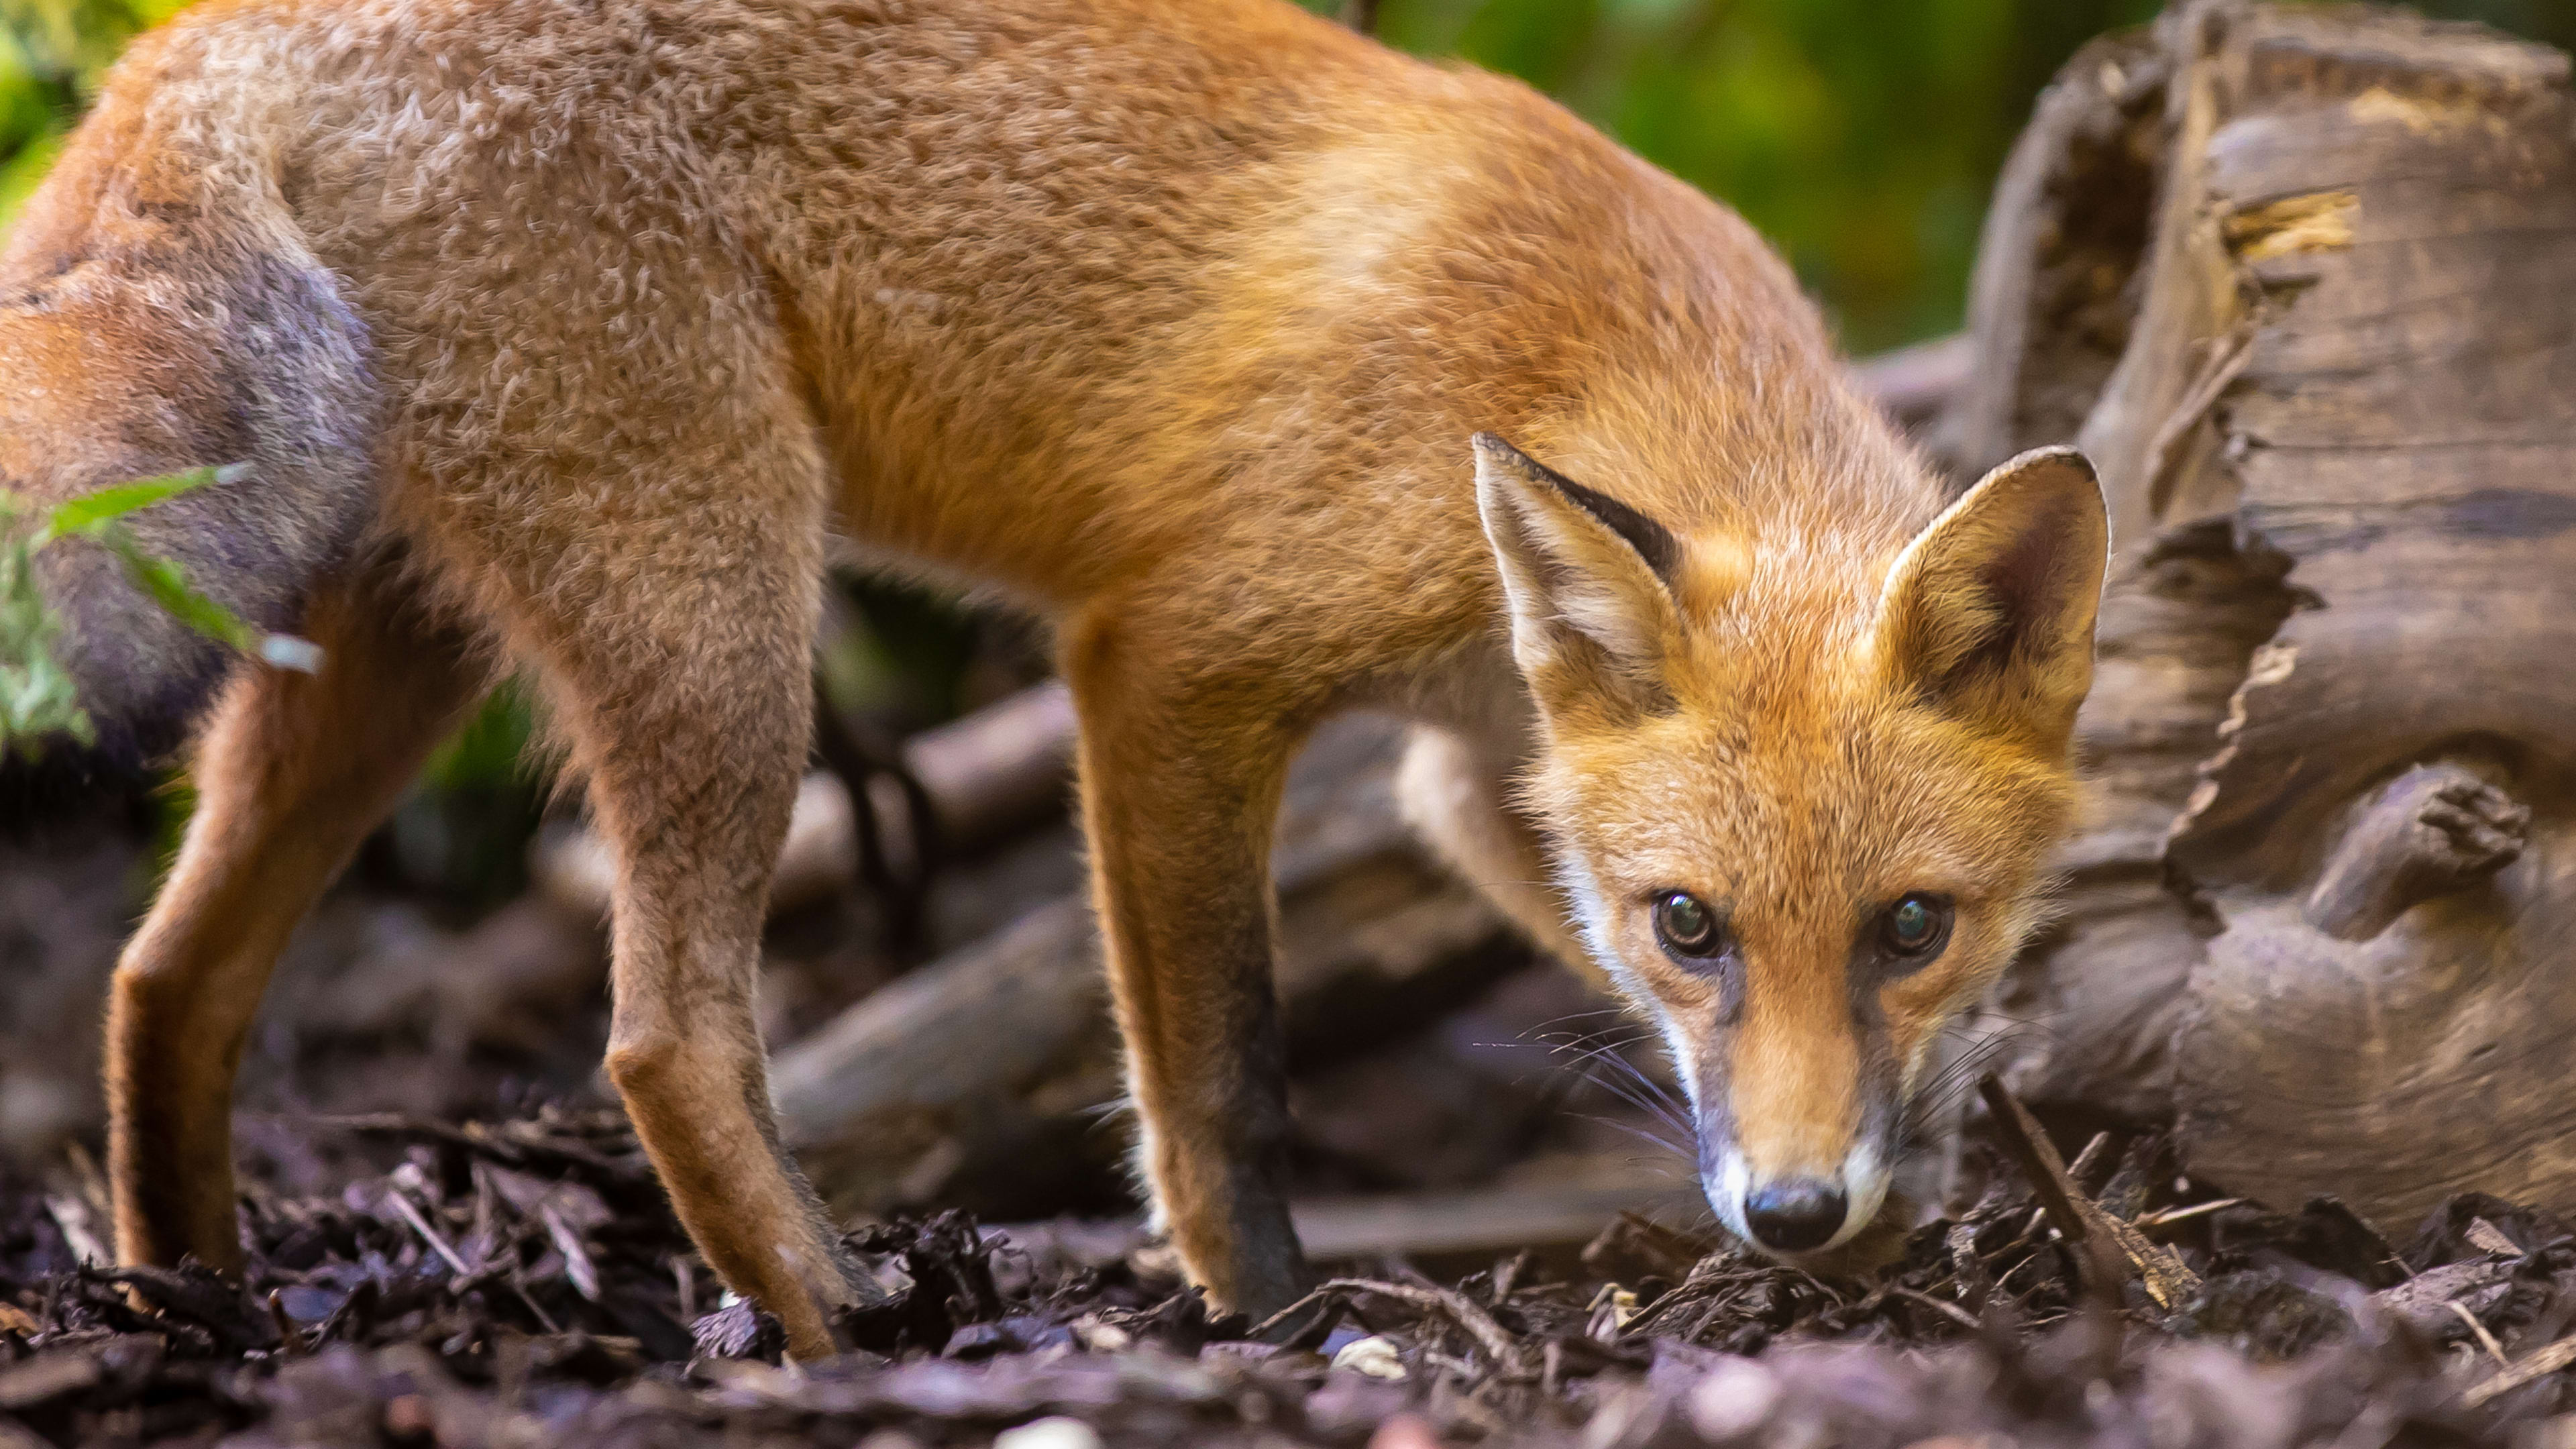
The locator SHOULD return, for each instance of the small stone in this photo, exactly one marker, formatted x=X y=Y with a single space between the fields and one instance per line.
x=1733 y=1400
x=1375 y=1356
x=408 y=1419
x=1404 y=1431
x=1102 y=1337
x=1057 y=1432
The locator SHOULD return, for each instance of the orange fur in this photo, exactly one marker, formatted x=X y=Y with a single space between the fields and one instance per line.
x=1170 y=318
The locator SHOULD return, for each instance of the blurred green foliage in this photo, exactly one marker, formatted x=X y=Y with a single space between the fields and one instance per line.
x=53 y=54
x=461 y=834
x=1861 y=136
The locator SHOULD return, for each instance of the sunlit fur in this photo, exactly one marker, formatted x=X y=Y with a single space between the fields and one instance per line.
x=562 y=335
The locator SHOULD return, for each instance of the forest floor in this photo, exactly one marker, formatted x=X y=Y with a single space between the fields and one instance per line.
x=453 y=1242
x=521 y=1283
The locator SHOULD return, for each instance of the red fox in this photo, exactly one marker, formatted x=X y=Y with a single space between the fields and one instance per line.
x=1280 y=372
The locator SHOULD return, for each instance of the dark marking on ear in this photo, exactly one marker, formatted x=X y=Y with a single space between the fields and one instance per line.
x=1652 y=541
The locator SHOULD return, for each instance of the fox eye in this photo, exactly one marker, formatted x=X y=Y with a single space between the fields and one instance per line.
x=1687 y=927
x=1917 y=926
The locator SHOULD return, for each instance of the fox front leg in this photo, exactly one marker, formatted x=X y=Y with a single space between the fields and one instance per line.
x=1180 y=790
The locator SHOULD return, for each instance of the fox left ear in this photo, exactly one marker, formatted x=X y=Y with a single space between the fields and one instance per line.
x=1989 y=613
x=1592 y=611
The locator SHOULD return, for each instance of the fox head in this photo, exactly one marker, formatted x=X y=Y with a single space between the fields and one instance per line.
x=1799 y=795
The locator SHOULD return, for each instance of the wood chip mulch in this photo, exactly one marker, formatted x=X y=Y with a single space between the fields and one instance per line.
x=521 y=1284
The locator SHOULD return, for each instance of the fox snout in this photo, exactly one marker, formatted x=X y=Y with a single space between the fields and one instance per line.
x=1798 y=1215
x=1796 y=1132
x=1797 y=1211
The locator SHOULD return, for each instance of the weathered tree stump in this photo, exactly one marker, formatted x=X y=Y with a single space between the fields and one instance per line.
x=2326 y=896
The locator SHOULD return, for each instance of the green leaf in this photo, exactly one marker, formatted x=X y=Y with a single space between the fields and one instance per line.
x=89 y=512
x=167 y=583
x=38 y=697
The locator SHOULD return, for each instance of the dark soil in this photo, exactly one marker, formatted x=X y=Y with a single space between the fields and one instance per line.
x=521 y=1283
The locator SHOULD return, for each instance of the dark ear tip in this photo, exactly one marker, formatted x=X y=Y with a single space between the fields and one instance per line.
x=1495 y=451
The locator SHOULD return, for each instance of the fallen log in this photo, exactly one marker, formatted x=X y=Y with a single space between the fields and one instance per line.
x=1482 y=1222
x=999 y=769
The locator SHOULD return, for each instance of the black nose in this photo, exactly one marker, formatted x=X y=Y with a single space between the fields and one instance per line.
x=1791 y=1217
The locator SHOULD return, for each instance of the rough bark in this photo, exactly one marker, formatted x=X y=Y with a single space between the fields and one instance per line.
x=2322 y=896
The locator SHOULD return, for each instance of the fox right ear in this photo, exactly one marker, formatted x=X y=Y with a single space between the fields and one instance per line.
x=1989 y=613
x=1592 y=611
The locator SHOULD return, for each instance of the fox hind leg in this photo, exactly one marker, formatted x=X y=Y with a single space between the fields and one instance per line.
x=675 y=650
x=291 y=773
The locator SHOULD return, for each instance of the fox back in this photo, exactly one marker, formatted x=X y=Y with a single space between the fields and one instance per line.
x=578 y=327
